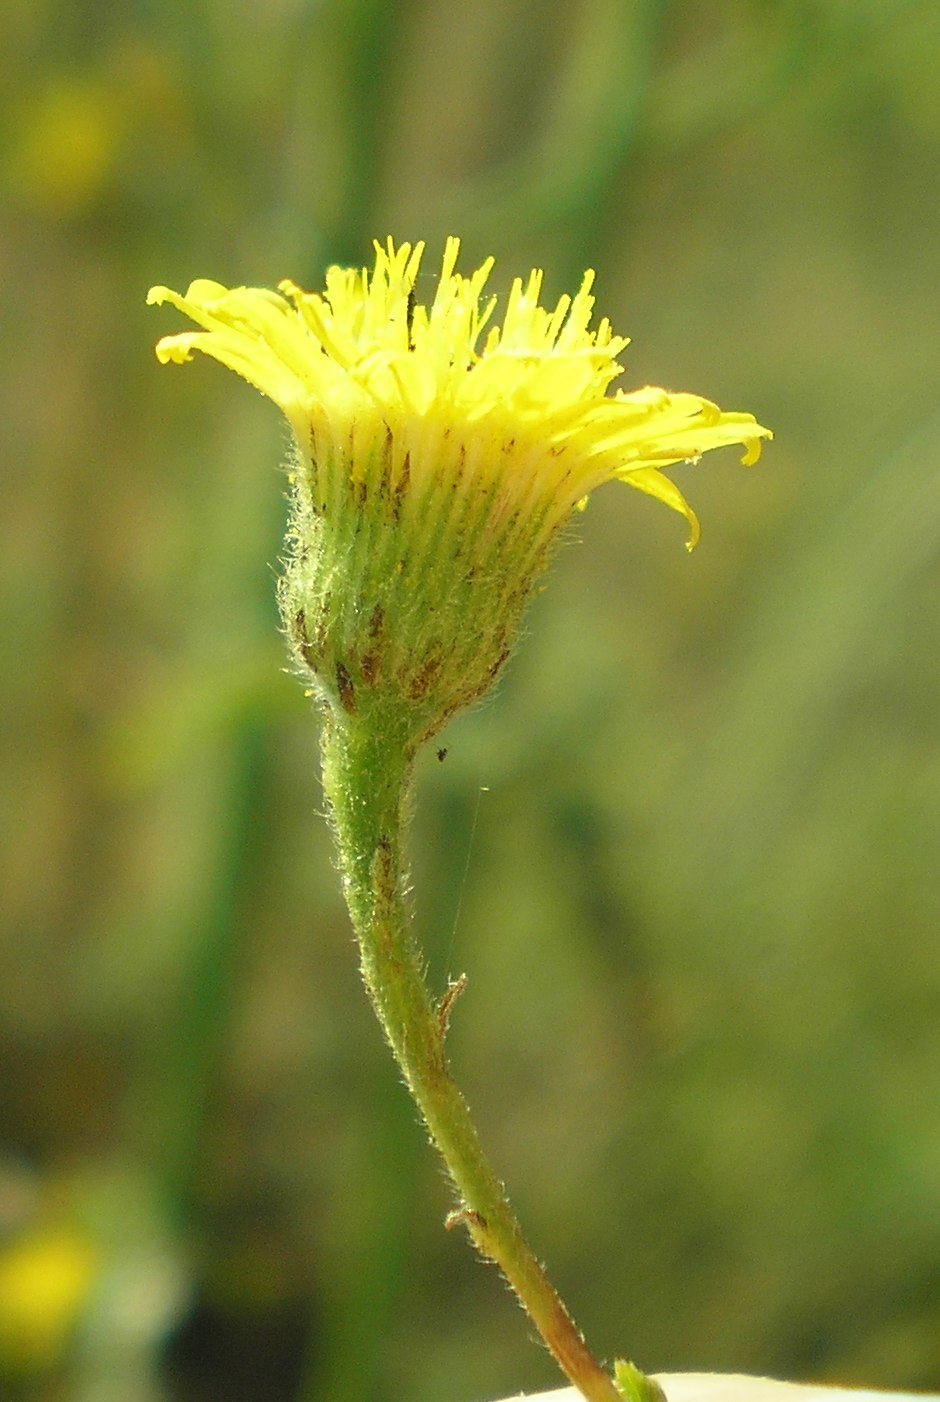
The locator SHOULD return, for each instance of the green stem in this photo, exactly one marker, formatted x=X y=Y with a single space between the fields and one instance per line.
x=367 y=765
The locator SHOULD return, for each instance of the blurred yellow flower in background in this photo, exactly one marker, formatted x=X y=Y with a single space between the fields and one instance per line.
x=45 y=1278
x=69 y=138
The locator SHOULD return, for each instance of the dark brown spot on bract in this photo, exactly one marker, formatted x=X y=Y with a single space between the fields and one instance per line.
x=499 y=662
x=347 y=692
x=401 y=487
x=424 y=679
x=302 y=640
x=369 y=667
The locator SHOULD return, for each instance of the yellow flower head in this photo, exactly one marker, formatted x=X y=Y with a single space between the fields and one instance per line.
x=438 y=454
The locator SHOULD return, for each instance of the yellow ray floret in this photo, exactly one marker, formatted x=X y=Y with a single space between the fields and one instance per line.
x=528 y=402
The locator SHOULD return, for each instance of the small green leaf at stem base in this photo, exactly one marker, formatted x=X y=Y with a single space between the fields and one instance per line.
x=635 y=1386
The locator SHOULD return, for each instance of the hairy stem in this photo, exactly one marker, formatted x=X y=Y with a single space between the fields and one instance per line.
x=367 y=769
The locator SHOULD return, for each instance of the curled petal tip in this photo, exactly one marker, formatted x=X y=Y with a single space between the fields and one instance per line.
x=753 y=448
x=170 y=351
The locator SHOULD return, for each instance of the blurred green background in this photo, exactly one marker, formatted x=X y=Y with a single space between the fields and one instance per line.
x=687 y=856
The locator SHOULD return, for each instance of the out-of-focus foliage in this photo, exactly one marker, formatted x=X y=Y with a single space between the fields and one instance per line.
x=688 y=856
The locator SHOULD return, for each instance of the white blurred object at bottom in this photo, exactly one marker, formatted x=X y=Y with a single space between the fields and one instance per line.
x=737 y=1387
